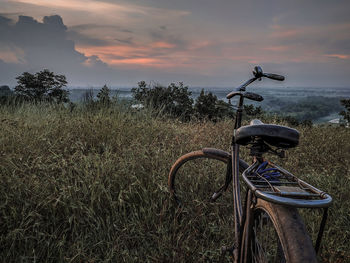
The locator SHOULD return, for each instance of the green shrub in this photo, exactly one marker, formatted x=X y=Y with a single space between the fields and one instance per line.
x=103 y=96
x=345 y=113
x=208 y=106
x=173 y=100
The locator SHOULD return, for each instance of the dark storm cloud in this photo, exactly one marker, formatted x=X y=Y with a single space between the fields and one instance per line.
x=40 y=41
x=98 y=26
x=4 y=20
x=30 y=45
x=83 y=39
x=11 y=14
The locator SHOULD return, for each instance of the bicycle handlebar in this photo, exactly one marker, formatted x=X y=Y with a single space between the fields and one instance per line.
x=240 y=88
x=258 y=74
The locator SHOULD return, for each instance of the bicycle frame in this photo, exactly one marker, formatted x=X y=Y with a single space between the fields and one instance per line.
x=238 y=211
x=279 y=191
x=240 y=252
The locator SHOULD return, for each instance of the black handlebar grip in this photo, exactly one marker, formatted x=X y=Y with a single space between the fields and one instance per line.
x=274 y=76
x=253 y=96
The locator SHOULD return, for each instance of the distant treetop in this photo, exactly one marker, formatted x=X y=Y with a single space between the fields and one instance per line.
x=42 y=86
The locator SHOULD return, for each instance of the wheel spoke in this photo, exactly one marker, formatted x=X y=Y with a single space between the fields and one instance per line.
x=265 y=245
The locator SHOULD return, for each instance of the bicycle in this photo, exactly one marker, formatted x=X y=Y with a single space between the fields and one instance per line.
x=268 y=227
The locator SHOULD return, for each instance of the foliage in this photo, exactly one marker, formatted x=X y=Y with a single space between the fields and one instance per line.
x=224 y=110
x=345 y=113
x=208 y=106
x=87 y=186
x=287 y=120
x=173 y=100
x=102 y=100
x=251 y=110
x=307 y=123
x=103 y=96
x=42 y=86
x=290 y=120
x=205 y=105
x=6 y=94
x=5 y=91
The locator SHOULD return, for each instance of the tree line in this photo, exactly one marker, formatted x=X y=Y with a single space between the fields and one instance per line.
x=173 y=100
x=46 y=86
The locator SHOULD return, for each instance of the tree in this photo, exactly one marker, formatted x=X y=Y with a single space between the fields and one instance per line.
x=103 y=96
x=5 y=91
x=345 y=113
x=6 y=94
x=208 y=106
x=174 y=100
x=251 y=110
x=42 y=86
x=291 y=120
x=205 y=105
x=224 y=109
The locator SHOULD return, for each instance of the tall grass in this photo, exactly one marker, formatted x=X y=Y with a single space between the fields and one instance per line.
x=91 y=186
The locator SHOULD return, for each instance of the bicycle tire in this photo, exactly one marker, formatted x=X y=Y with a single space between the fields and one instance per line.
x=210 y=153
x=291 y=244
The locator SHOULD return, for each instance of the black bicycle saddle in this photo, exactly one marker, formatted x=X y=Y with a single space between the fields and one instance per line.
x=275 y=135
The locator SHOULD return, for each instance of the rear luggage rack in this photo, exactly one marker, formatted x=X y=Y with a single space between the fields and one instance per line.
x=275 y=184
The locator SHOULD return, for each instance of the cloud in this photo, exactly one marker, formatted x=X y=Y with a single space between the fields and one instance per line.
x=125 y=41
x=121 y=9
x=340 y=56
x=311 y=43
x=205 y=42
x=82 y=27
x=93 y=61
x=46 y=41
x=165 y=36
x=30 y=45
x=85 y=5
x=99 y=35
x=84 y=39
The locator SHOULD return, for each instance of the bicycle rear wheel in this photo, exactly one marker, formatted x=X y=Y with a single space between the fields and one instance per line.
x=278 y=234
x=208 y=153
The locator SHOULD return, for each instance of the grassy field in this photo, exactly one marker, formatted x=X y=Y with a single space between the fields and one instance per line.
x=86 y=186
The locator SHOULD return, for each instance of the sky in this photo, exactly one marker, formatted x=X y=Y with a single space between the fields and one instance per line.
x=202 y=43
